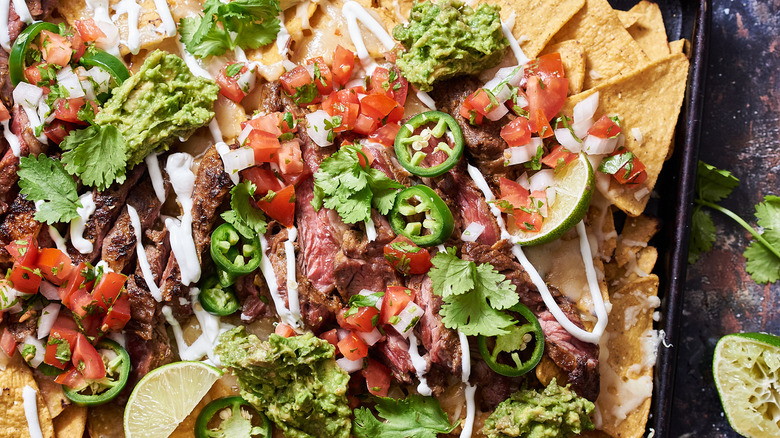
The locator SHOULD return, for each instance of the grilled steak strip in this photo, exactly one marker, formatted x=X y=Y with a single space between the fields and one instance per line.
x=443 y=344
x=9 y=164
x=145 y=310
x=468 y=205
x=17 y=224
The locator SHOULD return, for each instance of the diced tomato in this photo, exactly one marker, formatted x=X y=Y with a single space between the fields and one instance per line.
x=265 y=144
x=297 y=80
x=108 y=288
x=56 y=49
x=4 y=114
x=331 y=336
x=365 y=125
x=469 y=113
x=513 y=193
x=395 y=300
x=82 y=304
x=281 y=206
x=406 y=257
x=24 y=279
x=361 y=319
x=32 y=74
x=323 y=80
x=365 y=157
x=390 y=83
x=268 y=123
x=343 y=63
x=24 y=251
x=72 y=379
x=228 y=85
x=352 y=347
x=344 y=104
x=517 y=132
x=118 y=315
x=538 y=123
x=64 y=329
x=377 y=378
x=67 y=110
x=548 y=95
x=386 y=134
x=604 y=128
x=545 y=67
x=77 y=282
x=263 y=179
x=8 y=342
x=553 y=159
x=87 y=359
x=77 y=45
x=284 y=330
x=290 y=161
x=633 y=172
x=482 y=101
x=377 y=106
x=89 y=30
x=528 y=221
x=57 y=130
x=56 y=267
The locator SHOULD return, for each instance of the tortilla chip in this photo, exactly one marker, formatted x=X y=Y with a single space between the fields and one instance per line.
x=637 y=231
x=52 y=394
x=628 y=18
x=548 y=370
x=626 y=380
x=602 y=224
x=536 y=21
x=71 y=422
x=648 y=99
x=573 y=58
x=649 y=30
x=679 y=46
x=102 y=421
x=13 y=422
x=609 y=48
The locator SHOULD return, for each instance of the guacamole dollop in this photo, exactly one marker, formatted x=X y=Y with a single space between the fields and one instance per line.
x=294 y=381
x=556 y=412
x=447 y=39
x=161 y=102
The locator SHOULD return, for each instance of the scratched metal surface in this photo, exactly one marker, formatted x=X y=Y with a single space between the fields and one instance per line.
x=740 y=132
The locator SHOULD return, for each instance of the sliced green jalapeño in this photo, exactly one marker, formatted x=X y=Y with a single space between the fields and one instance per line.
x=421 y=215
x=444 y=137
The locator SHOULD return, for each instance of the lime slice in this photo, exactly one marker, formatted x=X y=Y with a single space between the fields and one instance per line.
x=746 y=367
x=165 y=396
x=573 y=189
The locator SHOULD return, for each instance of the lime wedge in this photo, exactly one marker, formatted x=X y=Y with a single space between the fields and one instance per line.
x=746 y=367
x=573 y=189
x=165 y=396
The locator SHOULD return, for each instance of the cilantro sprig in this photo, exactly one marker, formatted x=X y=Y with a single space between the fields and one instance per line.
x=415 y=416
x=763 y=254
x=248 y=24
x=344 y=185
x=473 y=295
x=247 y=220
x=44 y=180
x=97 y=154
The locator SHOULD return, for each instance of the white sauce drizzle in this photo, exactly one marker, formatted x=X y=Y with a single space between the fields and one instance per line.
x=143 y=262
x=354 y=12
x=193 y=63
x=133 y=11
x=179 y=168
x=10 y=137
x=471 y=407
x=153 y=165
x=292 y=283
x=282 y=38
x=370 y=230
x=58 y=240
x=30 y=401
x=506 y=28
x=267 y=269
x=302 y=12
x=100 y=14
x=200 y=348
x=20 y=6
x=420 y=365
x=77 y=239
x=164 y=11
x=427 y=100
x=5 y=37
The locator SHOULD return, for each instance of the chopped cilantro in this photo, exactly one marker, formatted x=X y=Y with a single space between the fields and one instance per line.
x=356 y=301
x=247 y=220
x=612 y=164
x=415 y=416
x=233 y=69
x=45 y=180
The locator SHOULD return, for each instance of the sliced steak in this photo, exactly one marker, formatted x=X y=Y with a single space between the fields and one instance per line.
x=252 y=300
x=394 y=353
x=493 y=388
x=18 y=223
x=147 y=354
x=9 y=164
x=468 y=204
x=20 y=330
x=145 y=310
x=443 y=344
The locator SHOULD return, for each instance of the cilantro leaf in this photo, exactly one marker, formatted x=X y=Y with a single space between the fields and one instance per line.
x=415 y=416
x=45 y=179
x=713 y=184
x=248 y=24
x=768 y=213
x=762 y=265
x=350 y=189
x=515 y=340
x=247 y=220
x=97 y=155
x=702 y=234
x=497 y=289
x=450 y=274
x=471 y=314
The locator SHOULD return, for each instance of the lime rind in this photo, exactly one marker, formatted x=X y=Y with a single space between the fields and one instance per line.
x=165 y=396
x=746 y=368
x=574 y=189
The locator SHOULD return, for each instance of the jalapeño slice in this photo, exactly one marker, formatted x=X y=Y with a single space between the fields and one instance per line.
x=104 y=390
x=216 y=299
x=515 y=344
x=419 y=153
x=17 y=60
x=233 y=255
x=421 y=215
x=231 y=417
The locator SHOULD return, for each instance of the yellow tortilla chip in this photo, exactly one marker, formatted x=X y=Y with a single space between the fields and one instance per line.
x=104 y=421
x=52 y=394
x=536 y=21
x=625 y=359
x=71 y=422
x=573 y=58
x=649 y=100
x=628 y=18
x=649 y=30
x=609 y=48
x=637 y=231
x=602 y=225
x=13 y=422
x=678 y=46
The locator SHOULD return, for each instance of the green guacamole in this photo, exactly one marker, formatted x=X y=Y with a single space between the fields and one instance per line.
x=295 y=381
x=556 y=412
x=160 y=103
x=447 y=39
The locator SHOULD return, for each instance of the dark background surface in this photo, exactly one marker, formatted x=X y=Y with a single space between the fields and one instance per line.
x=741 y=133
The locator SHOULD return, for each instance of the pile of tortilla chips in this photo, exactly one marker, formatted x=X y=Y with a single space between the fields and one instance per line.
x=622 y=55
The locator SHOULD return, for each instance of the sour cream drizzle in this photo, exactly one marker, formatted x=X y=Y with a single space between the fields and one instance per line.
x=193 y=63
x=110 y=42
x=164 y=11
x=471 y=407
x=77 y=239
x=20 y=6
x=143 y=262
x=506 y=28
x=153 y=165
x=58 y=240
x=292 y=283
x=267 y=269
x=30 y=401
x=133 y=11
x=10 y=137
x=5 y=37
x=282 y=38
x=179 y=168
x=420 y=366
x=595 y=291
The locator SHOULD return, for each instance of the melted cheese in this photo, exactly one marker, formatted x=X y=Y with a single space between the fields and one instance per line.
x=302 y=12
x=143 y=262
x=619 y=396
x=153 y=165
x=354 y=12
x=30 y=402
x=420 y=365
x=77 y=239
x=179 y=168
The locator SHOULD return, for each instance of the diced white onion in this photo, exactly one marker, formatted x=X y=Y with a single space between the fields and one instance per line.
x=567 y=140
x=521 y=101
x=246 y=80
x=342 y=333
x=370 y=230
x=48 y=290
x=641 y=193
x=621 y=140
x=581 y=128
x=27 y=95
x=46 y=321
x=68 y=80
x=40 y=350
x=523 y=181
x=472 y=232
x=101 y=77
x=541 y=180
x=637 y=134
x=9 y=299
x=315 y=127
x=408 y=318
x=498 y=112
x=370 y=338
x=237 y=160
x=89 y=90
x=244 y=134
x=512 y=76
x=522 y=154
x=310 y=68
x=355 y=83
x=350 y=366
x=596 y=146
x=586 y=108
x=44 y=112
